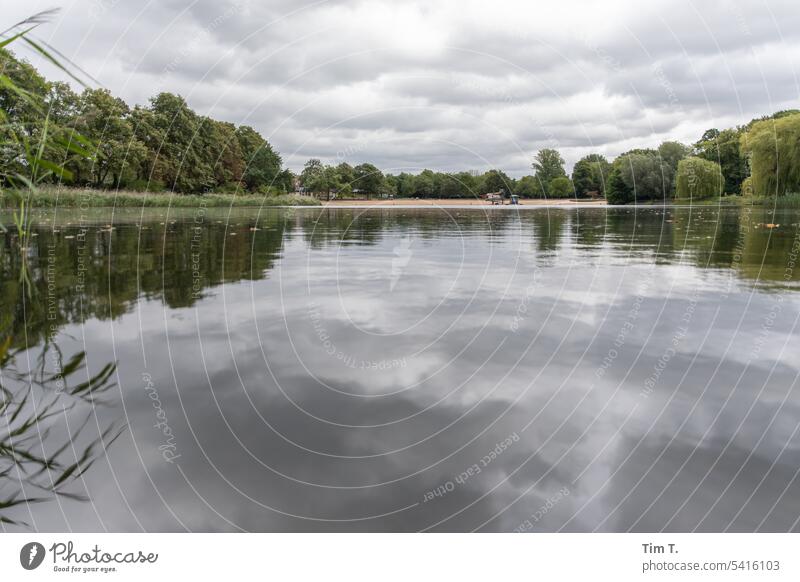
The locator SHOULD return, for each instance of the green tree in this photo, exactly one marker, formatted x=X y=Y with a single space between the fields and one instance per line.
x=643 y=175
x=529 y=187
x=344 y=173
x=32 y=124
x=330 y=180
x=62 y=103
x=285 y=181
x=22 y=81
x=406 y=184
x=345 y=191
x=496 y=181
x=180 y=163
x=105 y=120
x=723 y=147
x=747 y=187
x=561 y=187
x=392 y=184
x=96 y=139
x=773 y=148
x=221 y=144
x=451 y=187
x=146 y=131
x=773 y=116
x=424 y=184
x=670 y=153
x=548 y=165
x=590 y=174
x=468 y=183
x=313 y=176
x=618 y=192
x=698 y=178
x=262 y=163
x=368 y=178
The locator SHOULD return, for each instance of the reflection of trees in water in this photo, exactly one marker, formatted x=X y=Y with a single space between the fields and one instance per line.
x=587 y=227
x=710 y=234
x=706 y=237
x=70 y=274
x=703 y=236
x=768 y=252
x=100 y=273
x=347 y=226
x=548 y=228
x=647 y=232
x=40 y=457
x=739 y=239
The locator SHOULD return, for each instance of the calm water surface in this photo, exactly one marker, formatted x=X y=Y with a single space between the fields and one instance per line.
x=447 y=369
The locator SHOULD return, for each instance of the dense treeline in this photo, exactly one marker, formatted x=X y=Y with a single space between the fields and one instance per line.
x=761 y=158
x=164 y=146
x=167 y=146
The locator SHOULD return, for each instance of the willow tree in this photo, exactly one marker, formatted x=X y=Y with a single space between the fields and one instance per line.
x=773 y=148
x=698 y=178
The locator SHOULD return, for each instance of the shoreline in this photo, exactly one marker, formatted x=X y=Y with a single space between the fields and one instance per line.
x=436 y=202
x=63 y=199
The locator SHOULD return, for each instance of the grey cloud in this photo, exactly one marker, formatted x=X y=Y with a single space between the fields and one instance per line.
x=450 y=85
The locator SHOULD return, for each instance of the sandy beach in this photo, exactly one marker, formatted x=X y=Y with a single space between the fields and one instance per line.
x=460 y=202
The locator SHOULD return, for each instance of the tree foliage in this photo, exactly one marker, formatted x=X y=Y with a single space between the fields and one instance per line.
x=618 y=191
x=163 y=145
x=313 y=177
x=496 y=181
x=529 y=187
x=590 y=174
x=698 y=178
x=548 y=165
x=723 y=148
x=367 y=178
x=773 y=149
x=262 y=164
x=645 y=174
x=561 y=187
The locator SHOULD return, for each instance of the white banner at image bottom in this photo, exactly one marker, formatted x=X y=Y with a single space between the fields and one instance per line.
x=401 y=557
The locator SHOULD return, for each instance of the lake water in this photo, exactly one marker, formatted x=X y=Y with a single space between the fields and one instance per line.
x=454 y=369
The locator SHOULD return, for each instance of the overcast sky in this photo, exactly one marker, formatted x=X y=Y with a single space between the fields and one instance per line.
x=445 y=85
